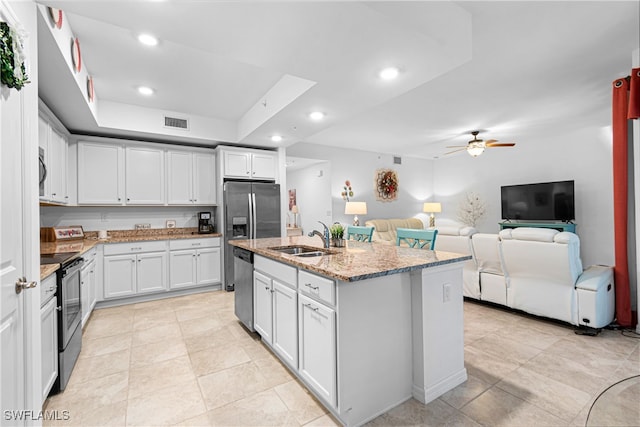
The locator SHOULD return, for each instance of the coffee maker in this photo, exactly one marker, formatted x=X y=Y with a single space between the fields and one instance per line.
x=204 y=223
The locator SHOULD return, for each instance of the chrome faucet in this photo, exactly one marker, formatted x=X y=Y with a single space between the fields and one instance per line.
x=325 y=237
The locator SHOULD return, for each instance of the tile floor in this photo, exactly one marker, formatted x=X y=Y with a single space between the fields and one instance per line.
x=187 y=361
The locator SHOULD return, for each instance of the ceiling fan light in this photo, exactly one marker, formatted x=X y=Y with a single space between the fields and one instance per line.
x=475 y=150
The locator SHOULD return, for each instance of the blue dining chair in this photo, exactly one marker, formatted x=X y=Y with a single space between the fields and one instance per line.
x=361 y=234
x=416 y=238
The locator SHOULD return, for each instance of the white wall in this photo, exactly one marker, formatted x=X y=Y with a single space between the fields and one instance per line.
x=313 y=195
x=582 y=155
x=415 y=180
x=120 y=218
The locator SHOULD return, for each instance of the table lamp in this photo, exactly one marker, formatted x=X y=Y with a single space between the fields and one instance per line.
x=295 y=211
x=355 y=208
x=432 y=208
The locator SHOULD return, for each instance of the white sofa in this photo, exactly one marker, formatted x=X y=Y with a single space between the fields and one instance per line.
x=536 y=270
x=544 y=276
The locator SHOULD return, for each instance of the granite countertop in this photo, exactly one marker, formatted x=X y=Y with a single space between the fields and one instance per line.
x=115 y=236
x=356 y=261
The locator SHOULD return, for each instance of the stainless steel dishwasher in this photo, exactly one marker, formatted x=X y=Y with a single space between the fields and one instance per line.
x=243 y=286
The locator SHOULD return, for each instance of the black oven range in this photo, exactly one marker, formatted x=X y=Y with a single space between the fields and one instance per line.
x=69 y=312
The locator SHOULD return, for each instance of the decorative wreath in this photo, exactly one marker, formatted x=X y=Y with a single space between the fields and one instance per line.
x=386 y=185
x=13 y=73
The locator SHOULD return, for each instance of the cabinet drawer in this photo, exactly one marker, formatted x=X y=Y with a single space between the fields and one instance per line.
x=207 y=242
x=283 y=273
x=318 y=287
x=133 y=248
x=48 y=288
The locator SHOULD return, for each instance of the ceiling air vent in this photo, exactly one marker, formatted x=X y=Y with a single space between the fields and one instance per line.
x=397 y=160
x=176 y=123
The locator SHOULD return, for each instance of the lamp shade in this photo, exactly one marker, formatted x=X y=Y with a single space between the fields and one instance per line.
x=355 y=208
x=432 y=207
x=294 y=209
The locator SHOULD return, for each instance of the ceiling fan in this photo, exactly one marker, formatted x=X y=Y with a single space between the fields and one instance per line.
x=476 y=146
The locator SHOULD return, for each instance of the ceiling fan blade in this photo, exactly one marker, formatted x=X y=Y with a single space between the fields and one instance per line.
x=456 y=146
x=455 y=151
x=490 y=141
x=503 y=144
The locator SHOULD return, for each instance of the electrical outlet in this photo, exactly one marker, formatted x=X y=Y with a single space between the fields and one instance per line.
x=103 y=217
x=446 y=292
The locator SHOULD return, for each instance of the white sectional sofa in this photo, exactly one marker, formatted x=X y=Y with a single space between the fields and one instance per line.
x=536 y=270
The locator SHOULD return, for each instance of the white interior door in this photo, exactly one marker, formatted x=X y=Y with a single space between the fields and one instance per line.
x=12 y=392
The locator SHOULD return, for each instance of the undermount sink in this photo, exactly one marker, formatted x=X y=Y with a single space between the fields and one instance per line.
x=301 y=251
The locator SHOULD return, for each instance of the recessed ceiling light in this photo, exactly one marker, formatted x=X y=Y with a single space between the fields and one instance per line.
x=145 y=90
x=147 y=39
x=276 y=138
x=389 y=73
x=317 y=115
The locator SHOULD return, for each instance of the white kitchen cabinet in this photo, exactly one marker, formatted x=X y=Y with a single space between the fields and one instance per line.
x=144 y=176
x=49 y=335
x=88 y=285
x=191 y=178
x=276 y=307
x=249 y=164
x=55 y=147
x=317 y=347
x=263 y=307
x=194 y=262
x=101 y=174
x=135 y=268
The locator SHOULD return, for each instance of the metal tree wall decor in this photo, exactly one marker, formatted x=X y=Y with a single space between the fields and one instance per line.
x=471 y=209
x=386 y=185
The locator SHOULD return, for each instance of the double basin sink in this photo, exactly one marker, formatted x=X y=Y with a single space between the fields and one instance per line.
x=301 y=251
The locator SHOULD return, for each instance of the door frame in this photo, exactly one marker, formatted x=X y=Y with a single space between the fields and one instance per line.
x=25 y=14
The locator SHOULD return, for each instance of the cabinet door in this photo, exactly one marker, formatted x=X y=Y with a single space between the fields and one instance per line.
x=43 y=141
x=100 y=174
x=237 y=165
x=58 y=167
x=119 y=276
x=84 y=294
x=144 y=176
x=285 y=323
x=49 y=337
x=179 y=178
x=204 y=179
x=262 y=308
x=263 y=166
x=208 y=266
x=182 y=269
x=152 y=272
x=317 y=347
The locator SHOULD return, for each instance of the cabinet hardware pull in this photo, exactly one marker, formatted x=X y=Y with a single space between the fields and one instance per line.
x=59 y=308
x=312 y=287
x=311 y=307
x=267 y=288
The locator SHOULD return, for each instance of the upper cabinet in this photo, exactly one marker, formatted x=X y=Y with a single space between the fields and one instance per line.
x=249 y=164
x=53 y=151
x=142 y=174
x=191 y=178
x=100 y=174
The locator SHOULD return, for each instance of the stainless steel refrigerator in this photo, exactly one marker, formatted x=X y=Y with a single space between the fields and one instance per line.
x=251 y=211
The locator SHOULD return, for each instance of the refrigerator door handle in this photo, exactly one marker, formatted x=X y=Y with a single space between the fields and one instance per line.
x=250 y=230
x=255 y=216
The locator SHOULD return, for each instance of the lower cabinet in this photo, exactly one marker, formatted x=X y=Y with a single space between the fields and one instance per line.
x=317 y=338
x=88 y=285
x=135 y=268
x=49 y=335
x=194 y=262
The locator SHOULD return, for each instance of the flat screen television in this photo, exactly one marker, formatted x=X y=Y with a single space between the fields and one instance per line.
x=545 y=201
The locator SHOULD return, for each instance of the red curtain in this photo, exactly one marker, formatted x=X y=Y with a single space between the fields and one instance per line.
x=626 y=105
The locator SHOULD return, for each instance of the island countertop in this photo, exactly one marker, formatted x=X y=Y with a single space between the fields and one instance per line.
x=356 y=261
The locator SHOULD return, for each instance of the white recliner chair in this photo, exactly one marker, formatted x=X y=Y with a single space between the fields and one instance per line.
x=545 y=277
x=493 y=284
x=458 y=240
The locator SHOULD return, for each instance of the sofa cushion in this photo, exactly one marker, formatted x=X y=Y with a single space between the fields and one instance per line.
x=531 y=234
x=486 y=252
x=385 y=229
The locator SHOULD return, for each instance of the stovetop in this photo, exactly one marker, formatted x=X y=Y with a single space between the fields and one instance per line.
x=57 y=258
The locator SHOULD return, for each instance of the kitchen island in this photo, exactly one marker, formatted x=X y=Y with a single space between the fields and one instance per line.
x=364 y=327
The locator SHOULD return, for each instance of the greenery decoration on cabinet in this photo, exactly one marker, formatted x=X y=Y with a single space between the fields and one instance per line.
x=12 y=56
